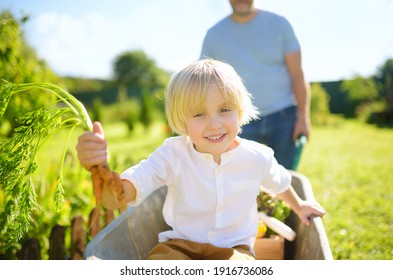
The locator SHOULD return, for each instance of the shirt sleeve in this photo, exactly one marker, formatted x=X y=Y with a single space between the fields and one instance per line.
x=276 y=178
x=291 y=43
x=149 y=174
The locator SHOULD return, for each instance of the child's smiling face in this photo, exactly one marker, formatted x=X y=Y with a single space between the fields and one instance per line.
x=214 y=128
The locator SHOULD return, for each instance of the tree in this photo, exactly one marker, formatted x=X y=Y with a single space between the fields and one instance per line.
x=20 y=64
x=136 y=69
x=360 y=91
x=319 y=108
x=386 y=75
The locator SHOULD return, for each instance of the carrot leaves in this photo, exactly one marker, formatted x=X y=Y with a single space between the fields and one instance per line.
x=18 y=154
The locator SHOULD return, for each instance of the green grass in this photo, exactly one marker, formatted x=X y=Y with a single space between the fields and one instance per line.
x=127 y=149
x=350 y=167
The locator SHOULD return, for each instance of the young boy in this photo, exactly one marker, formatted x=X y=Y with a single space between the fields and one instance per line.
x=213 y=175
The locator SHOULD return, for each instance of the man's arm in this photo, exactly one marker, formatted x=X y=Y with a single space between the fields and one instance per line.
x=301 y=90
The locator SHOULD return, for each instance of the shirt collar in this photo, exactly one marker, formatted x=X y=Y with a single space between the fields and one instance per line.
x=225 y=157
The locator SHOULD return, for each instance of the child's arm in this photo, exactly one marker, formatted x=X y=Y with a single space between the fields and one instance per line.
x=92 y=151
x=304 y=209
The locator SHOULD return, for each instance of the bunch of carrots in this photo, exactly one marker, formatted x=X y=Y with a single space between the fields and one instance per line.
x=101 y=176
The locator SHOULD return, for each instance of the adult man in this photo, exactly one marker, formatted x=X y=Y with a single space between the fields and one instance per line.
x=263 y=49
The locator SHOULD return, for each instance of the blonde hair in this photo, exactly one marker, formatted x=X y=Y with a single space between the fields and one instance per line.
x=187 y=90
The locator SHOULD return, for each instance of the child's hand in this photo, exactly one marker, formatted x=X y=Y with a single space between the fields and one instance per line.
x=309 y=209
x=92 y=147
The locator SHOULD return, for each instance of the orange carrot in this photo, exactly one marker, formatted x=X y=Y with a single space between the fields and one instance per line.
x=97 y=185
x=113 y=182
x=102 y=175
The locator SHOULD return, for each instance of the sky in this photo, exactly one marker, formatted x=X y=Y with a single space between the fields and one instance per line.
x=339 y=38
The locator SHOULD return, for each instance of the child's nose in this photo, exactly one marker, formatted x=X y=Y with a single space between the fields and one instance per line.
x=215 y=122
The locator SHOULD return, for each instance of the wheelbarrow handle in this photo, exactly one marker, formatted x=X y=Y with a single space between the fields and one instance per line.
x=301 y=140
x=299 y=145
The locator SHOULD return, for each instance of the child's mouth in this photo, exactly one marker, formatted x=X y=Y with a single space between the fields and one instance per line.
x=215 y=138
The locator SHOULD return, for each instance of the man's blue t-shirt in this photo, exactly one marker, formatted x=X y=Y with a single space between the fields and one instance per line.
x=256 y=50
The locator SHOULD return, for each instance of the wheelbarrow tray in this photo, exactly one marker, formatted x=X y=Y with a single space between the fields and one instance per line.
x=141 y=225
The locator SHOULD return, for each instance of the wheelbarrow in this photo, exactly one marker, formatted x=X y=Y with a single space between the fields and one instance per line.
x=145 y=222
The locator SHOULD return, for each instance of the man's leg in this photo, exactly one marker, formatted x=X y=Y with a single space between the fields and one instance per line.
x=280 y=128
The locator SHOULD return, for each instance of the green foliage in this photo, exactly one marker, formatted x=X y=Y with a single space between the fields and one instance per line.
x=366 y=112
x=148 y=108
x=125 y=149
x=385 y=73
x=319 y=107
x=12 y=46
x=133 y=111
x=20 y=64
x=130 y=112
x=366 y=97
x=18 y=161
x=272 y=206
x=77 y=189
x=18 y=154
x=97 y=110
x=135 y=68
x=386 y=76
x=360 y=90
x=82 y=85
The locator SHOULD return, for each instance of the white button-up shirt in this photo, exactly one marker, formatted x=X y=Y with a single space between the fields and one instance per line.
x=207 y=202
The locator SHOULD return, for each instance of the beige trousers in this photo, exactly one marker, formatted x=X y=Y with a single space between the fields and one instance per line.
x=179 y=249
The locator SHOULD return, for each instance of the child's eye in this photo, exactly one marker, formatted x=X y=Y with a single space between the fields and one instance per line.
x=198 y=115
x=224 y=110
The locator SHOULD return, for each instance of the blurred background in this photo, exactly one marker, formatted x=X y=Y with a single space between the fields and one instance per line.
x=91 y=49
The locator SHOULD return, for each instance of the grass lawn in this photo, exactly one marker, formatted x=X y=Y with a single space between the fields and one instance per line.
x=351 y=170
x=127 y=149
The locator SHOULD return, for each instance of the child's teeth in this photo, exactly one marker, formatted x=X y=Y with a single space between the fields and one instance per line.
x=215 y=137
